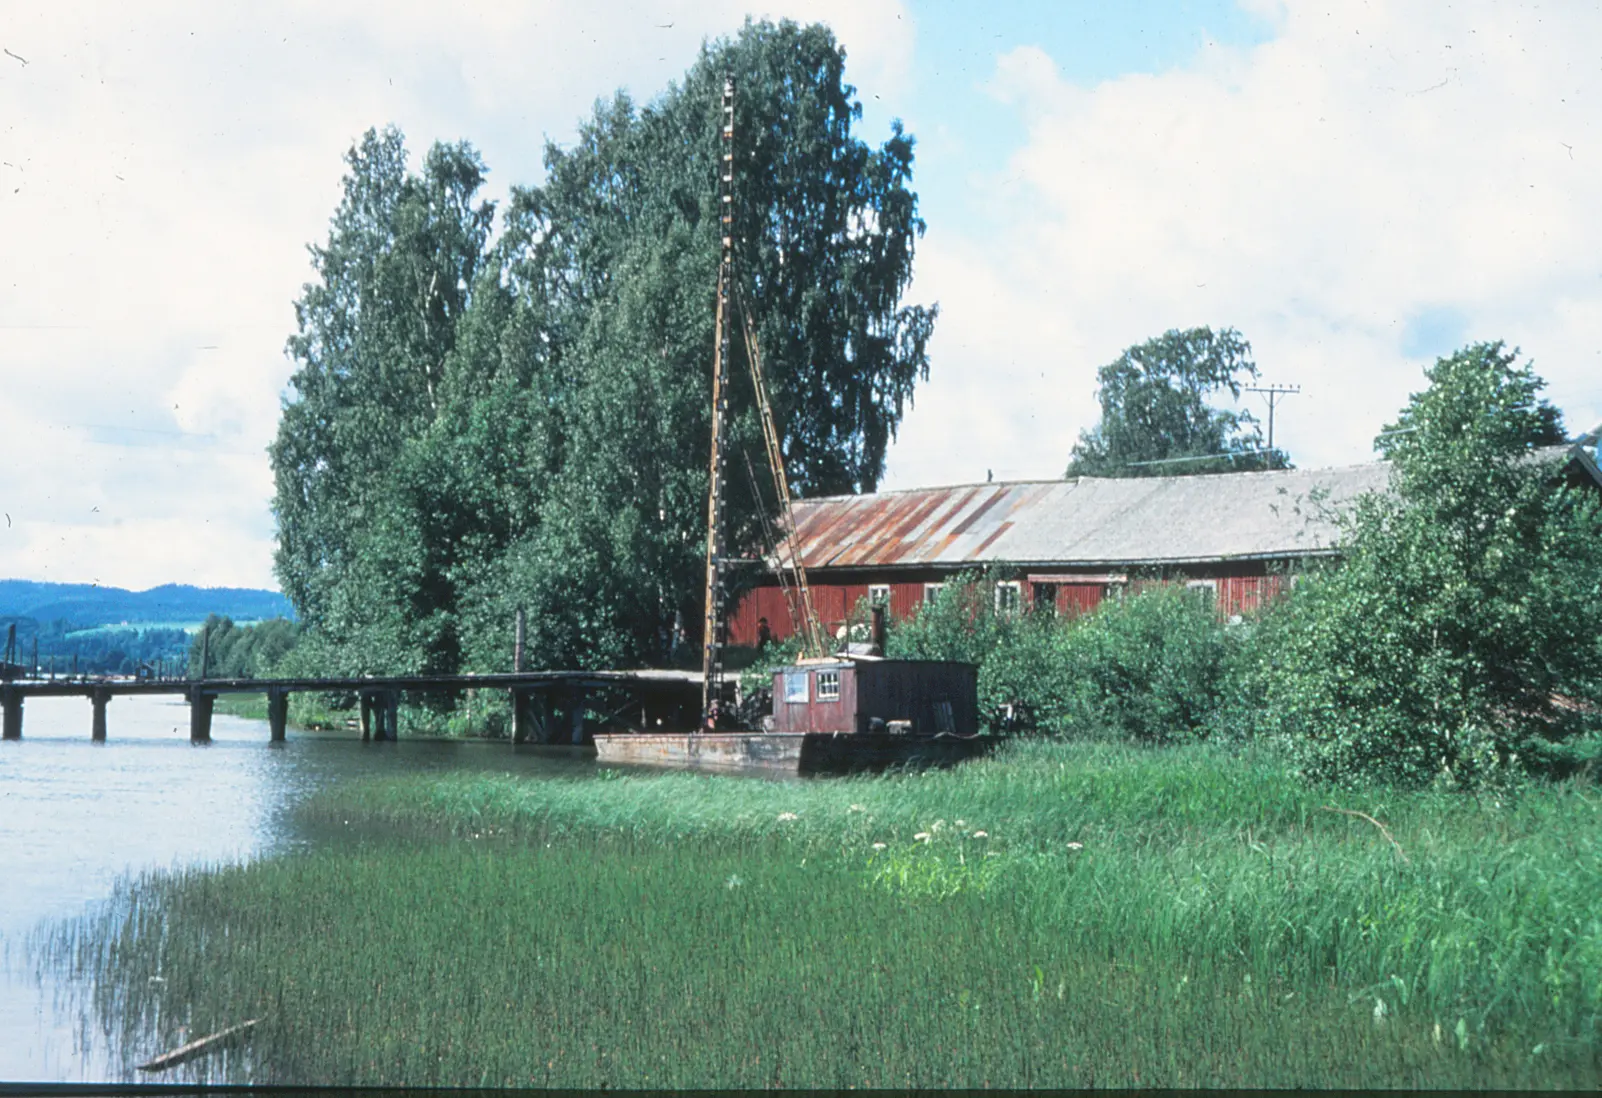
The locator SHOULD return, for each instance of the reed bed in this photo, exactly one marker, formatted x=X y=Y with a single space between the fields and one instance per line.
x=1059 y=915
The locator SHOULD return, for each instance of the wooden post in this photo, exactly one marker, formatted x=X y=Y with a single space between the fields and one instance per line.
x=11 y=642
x=392 y=715
x=97 y=726
x=75 y=665
x=367 y=716
x=200 y=704
x=11 y=702
x=277 y=712
x=52 y=667
x=519 y=715
x=35 y=674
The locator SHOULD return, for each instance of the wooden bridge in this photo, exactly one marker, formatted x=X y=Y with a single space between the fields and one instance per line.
x=547 y=706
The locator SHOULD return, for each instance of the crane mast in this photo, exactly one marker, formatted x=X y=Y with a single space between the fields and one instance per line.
x=787 y=558
x=711 y=634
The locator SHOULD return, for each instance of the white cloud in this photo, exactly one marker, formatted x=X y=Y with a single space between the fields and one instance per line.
x=162 y=167
x=1369 y=165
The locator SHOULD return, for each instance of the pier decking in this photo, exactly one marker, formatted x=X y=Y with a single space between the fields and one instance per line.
x=547 y=706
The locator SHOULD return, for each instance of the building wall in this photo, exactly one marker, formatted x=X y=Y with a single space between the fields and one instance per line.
x=1240 y=589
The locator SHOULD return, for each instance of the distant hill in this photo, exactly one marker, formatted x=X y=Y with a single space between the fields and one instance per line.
x=87 y=604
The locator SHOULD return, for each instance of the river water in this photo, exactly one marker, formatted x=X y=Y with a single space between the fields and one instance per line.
x=75 y=816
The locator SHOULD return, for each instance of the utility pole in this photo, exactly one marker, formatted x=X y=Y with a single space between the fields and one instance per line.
x=1273 y=393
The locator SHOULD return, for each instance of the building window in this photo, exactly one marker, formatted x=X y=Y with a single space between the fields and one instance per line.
x=828 y=686
x=931 y=591
x=1009 y=597
x=879 y=595
x=1045 y=598
x=795 y=687
x=1206 y=590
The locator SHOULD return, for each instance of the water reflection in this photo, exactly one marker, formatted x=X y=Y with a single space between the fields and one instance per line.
x=76 y=815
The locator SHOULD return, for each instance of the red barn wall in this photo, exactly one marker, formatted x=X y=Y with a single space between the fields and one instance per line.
x=1242 y=589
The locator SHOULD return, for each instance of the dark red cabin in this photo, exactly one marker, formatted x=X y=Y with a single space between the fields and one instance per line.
x=844 y=696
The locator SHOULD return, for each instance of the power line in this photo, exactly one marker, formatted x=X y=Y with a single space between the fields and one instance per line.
x=1201 y=457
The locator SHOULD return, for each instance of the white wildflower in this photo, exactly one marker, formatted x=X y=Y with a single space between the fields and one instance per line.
x=856 y=808
x=1076 y=846
x=981 y=834
x=921 y=837
x=962 y=823
x=878 y=846
x=733 y=882
x=788 y=816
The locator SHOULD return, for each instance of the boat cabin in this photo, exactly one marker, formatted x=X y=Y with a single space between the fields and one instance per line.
x=863 y=695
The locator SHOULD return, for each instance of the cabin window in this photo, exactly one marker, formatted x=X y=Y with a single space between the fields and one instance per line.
x=931 y=591
x=1009 y=597
x=795 y=687
x=828 y=686
x=879 y=594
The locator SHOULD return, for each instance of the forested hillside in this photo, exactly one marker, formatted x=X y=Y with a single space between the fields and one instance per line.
x=85 y=605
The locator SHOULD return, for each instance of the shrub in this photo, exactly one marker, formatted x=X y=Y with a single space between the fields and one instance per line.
x=1458 y=640
x=1148 y=667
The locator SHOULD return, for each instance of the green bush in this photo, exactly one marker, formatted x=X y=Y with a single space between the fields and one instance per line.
x=1148 y=668
x=1458 y=639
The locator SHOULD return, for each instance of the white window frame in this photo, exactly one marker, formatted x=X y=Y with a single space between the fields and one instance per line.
x=931 y=591
x=828 y=686
x=794 y=696
x=1208 y=585
x=879 y=595
x=1016 y=587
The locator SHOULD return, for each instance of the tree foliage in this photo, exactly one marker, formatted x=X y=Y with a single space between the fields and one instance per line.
x=1459 y=638
x=474 y=432
x=1154 y=407
x=242 y=651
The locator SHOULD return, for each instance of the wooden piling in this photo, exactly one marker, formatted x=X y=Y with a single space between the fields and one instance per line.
x=97 y=727
x=200 y=704
x=367 y=715
x=277 y=713
x=389 y=715
x=11 y=704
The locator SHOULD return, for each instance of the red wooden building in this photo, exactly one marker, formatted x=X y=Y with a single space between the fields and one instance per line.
x=1067 y=543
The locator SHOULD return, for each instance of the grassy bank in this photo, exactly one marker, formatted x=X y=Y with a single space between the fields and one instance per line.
x=1058 y=916
x=305 y=710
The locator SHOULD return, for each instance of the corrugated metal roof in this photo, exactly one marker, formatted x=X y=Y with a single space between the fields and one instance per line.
x=1094 y=521
x=1086 y=521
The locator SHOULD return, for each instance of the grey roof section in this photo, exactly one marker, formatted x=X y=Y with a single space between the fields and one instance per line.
x=1087 y=521
x=1091 y=521
x=1225 y=516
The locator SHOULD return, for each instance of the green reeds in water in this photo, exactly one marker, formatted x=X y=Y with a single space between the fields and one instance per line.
x=1057 y=916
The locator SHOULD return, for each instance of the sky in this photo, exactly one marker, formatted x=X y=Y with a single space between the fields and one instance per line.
x=1356 y=187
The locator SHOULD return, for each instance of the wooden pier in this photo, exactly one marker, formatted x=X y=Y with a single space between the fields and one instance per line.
x=560 y=707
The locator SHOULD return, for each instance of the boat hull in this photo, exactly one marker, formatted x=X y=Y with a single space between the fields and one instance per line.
x=789 y=752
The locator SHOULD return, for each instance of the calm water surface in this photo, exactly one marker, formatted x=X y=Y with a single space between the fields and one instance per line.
x=76 y=815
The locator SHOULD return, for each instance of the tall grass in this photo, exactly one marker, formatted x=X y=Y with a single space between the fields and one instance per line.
x=1061 y=915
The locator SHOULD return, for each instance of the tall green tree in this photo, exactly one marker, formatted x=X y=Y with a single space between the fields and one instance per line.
x=1155 y=408
x=476 y=432
x=1459 y=638
x=618 y=259
x=356 y=552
